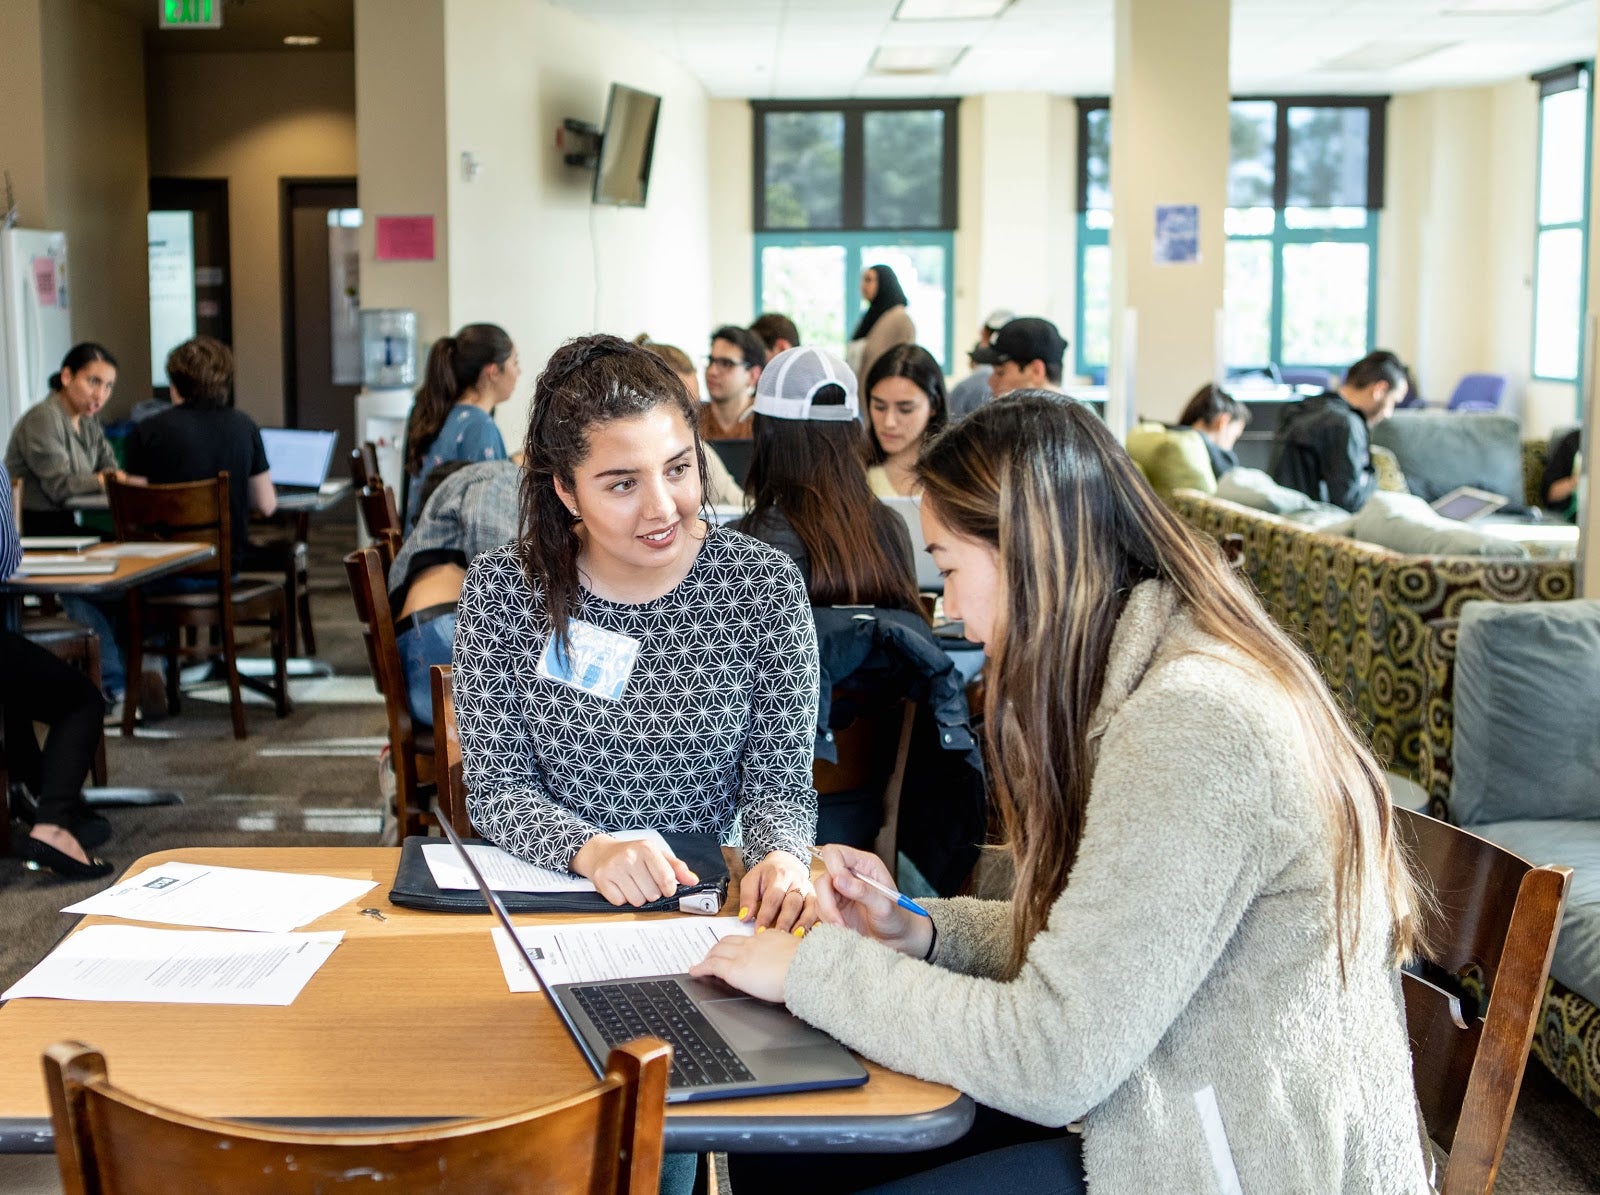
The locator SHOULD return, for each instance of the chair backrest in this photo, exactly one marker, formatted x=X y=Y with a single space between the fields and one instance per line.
x=452 y=798
x=1478 y=392
x=378 y=510
x=365 y=569
x=872 y=751
x=1472 y=1009
x=605 y=1140
x=188 y=511
x=364 y=466
x=1309 y=377
x=16 y=502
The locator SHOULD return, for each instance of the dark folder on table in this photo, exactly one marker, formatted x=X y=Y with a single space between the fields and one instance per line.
x=414 y=887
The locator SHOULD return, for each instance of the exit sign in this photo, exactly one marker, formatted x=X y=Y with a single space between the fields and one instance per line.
x=191 y=14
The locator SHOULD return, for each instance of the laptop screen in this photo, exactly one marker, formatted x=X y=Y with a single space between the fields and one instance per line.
x=296 y=457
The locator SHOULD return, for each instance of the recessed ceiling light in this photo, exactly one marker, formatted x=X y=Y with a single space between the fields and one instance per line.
x=1501 y=8
x=916 y=60
x=955 y=10
x=1383 y=56
x=300 y=39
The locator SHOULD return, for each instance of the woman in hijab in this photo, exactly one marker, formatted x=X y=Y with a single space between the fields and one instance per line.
x=884 y=324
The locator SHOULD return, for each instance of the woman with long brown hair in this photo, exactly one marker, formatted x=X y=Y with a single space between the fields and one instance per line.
x=808 y=486
x=1200 y=957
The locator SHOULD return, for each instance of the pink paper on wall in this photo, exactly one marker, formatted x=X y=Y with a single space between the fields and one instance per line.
x=405 y=238
x=44 y=281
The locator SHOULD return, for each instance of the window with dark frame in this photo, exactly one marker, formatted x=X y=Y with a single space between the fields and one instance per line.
x=1305 y=185
x=841 y=185
x=1561 y=235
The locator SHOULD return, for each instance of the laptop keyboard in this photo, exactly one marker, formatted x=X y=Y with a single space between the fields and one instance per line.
x=661 y=1008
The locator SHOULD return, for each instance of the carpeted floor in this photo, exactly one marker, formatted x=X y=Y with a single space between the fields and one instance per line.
x=311 y=779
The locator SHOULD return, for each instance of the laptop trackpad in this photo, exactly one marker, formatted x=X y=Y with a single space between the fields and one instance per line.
x=751 y=1025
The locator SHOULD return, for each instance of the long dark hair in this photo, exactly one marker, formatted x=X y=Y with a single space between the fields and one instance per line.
x=1076 y=527
x=813 y=474
x=80 y=355
x=454 y=365
x=587 y=382
x=1210 y=401
x=917 y=366
x=889 y=294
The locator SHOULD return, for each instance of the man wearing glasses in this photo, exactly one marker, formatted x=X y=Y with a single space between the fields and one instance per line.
x=737 y=356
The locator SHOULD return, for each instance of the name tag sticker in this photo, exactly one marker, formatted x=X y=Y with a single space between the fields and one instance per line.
x=598 y=662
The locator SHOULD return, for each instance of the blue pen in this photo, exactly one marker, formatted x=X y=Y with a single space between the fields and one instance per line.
x=899 y=898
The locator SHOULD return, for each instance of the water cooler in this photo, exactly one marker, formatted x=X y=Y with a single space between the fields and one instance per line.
x=389 y=376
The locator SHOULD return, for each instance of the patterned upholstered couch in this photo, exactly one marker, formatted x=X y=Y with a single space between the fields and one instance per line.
x=1360 y=609
x=1567 y=1039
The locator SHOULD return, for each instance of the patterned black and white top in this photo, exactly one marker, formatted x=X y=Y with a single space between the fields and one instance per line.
x=716 y=722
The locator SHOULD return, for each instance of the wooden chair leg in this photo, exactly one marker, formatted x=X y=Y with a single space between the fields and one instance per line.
x=291 y=591
x=91 y=661
x=230 y=660
x=134 y=662
x=308 y=636
x=282 y=637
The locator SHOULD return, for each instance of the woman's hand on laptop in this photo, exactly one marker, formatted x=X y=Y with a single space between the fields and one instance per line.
x=777 y=894
x=757 y=965
x=631 y=872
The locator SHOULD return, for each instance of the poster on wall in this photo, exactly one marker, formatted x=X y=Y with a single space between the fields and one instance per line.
x=1177 y=234
x=44 y=281
x=405 y=238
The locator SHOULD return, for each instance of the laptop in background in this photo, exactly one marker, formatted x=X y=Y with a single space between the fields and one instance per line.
x=736 y=455
x=910 y=512
x=724 y=1043
x=298 y=459
x=1467 y=503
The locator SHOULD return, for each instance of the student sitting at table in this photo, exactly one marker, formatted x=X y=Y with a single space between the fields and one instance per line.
x=35 y=686
x=58 y=449
x=906 y=405
x=624 y=665
x=452 y=418
x=809 y=495
x=204 y=434
x=1220 y=419
x=1200 y=958
x=467 y=508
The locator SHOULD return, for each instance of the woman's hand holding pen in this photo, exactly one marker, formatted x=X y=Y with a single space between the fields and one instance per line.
x=777 y=893
x=629 y=872
x=843 y=899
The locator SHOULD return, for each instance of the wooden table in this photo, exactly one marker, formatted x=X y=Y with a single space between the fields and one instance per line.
x=132 y=569
x=409 y=1021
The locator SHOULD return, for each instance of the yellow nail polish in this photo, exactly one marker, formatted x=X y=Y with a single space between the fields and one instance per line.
x=799 y=931
x=744 y=912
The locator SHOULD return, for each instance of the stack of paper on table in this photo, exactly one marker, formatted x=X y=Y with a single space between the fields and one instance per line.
x=506 y=873
x=224 y=897
x=577 y=953
x=41 y=564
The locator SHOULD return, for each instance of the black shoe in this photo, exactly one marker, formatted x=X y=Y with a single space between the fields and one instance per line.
x=90 y=829
x=42 y=854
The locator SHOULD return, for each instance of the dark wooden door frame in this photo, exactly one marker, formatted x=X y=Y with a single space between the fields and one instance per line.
x=287 y=186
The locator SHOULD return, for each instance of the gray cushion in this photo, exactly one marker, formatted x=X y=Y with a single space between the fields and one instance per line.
x=1527 y=705
x=1575 y=845
x=1440 y=450
x=1253 y=488
x=1406 y=523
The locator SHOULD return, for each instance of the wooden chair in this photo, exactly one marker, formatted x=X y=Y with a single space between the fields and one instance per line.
x=379 y=511
x=872 y=756
x=452 y=799
x=1471 y=1011
x=605 y=1140
x=285 y=551
x=203 y=624
x=411 y=753
x=364 y=466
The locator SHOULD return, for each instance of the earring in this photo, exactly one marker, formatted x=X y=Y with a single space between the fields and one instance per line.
x=575 y=512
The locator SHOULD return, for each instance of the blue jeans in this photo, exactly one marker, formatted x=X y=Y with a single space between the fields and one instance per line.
x=113 y=675
x=426 y=642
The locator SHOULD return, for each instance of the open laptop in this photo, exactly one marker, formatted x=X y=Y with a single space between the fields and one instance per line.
x=724 y=1043
x=1466 y=503
x=736 y=455
x=910 y=512
x=297 y=459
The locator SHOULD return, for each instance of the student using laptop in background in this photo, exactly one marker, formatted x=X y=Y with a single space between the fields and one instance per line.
x=1200 y=958
x=625 y=666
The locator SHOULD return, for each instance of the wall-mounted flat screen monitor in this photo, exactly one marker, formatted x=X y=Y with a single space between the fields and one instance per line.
x=627 y=145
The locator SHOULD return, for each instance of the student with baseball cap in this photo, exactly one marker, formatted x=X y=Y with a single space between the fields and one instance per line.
x=1026 y=354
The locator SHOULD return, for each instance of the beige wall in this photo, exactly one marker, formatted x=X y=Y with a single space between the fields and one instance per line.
x=22 y=101
x=400 y=107
x=731 y=149
x=97 y=181
x=254 y=119
x=528 y=250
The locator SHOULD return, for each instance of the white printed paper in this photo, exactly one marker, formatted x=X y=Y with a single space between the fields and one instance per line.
x=58 y=543
x=502 y=872
x=224 y=897
x=131 y=964
x=41 y=564
x=144 y=548
x=612 y=949
x=506 y=873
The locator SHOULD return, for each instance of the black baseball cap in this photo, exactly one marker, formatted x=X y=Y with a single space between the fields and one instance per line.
x=1022 y=340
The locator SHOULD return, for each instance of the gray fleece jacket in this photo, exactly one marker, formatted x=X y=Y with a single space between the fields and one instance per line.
x=1184 y=999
